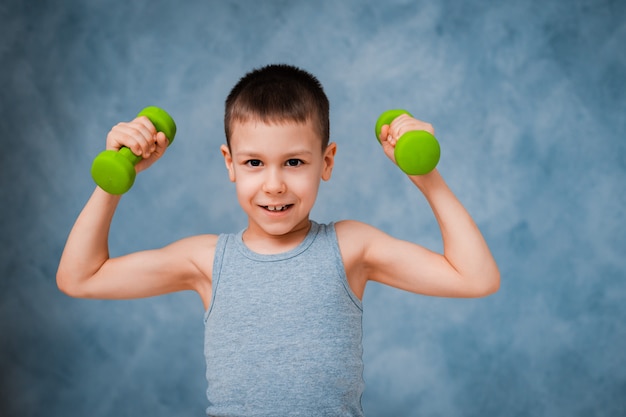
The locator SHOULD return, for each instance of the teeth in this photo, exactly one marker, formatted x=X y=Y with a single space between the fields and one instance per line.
x=276 y=208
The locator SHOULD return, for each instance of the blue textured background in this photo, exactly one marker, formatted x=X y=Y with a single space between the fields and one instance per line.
x=528 y=99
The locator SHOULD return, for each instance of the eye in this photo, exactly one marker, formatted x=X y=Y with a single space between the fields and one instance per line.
x=253 y=162
x=294 y=162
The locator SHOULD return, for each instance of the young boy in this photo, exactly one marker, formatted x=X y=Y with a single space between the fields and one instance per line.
x=282 y=297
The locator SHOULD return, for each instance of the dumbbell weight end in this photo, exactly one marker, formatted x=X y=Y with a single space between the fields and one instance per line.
x=417 y=152
x=114 y=171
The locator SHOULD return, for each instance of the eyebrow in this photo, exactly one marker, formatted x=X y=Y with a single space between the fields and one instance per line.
x=291 y=154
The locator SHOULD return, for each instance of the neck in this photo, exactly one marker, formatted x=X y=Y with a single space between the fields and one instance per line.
x=268 y=244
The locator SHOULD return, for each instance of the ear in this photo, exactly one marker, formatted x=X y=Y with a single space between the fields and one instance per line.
x=228 y=160
x=329 y=160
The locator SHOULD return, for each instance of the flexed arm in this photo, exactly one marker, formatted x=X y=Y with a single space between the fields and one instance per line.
x=466 y=256
x=466 y=268
x=86 y=270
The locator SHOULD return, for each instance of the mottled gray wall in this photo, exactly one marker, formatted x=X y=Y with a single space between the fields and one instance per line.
x=528 y=99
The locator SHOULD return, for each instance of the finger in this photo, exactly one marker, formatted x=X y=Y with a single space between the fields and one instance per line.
x=161 y=139
x=149 y=135
x=399 y=126
x=146 y=136
x=161 y=143
x=145 y=122
x=387 y=136
x=122 y=135
x=140 y=126
x=160 y=146
x=384 y=132
x=405 y=123
x=135 y=136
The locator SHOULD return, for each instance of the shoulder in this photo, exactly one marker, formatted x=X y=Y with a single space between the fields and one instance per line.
x=356 y=234
x=199 y=250
x=196 y=243
x=363 y=243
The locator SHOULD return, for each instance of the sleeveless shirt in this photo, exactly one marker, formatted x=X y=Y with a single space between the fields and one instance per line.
x=283 y=334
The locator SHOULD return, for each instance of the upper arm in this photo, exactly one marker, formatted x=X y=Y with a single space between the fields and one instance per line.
x=182 y=265
x=372 y=255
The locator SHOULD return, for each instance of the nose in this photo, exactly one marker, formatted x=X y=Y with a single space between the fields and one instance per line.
x=274 y=182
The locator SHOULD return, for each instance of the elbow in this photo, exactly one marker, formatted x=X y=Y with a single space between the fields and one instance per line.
x=64 y=286
x=493 y=288
x=67 y=285
x=491 y=285
x=482 y=284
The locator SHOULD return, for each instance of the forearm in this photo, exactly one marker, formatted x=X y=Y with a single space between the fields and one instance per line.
x=86 y=249
x=464 y=246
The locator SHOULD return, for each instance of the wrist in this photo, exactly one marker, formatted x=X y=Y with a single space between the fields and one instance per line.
x=428 y=182
x=106 y=198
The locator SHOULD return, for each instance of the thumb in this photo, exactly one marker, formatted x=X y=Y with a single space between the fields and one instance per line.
x=161 y=143
x=388 y=142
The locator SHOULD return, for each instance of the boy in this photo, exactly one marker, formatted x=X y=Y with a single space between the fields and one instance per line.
x=282 y=297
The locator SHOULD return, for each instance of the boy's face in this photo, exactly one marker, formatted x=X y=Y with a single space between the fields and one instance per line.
x=277 y=170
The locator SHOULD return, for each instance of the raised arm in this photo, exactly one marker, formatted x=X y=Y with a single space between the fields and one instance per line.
x=86 y=270
x=466 y=268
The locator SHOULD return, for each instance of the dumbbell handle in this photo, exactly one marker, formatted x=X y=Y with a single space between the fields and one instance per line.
x=417 y=152
x=128 y=154
x=114 y=171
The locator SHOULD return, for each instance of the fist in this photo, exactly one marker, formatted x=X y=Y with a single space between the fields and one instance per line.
x=389 y=134
x=141 y=137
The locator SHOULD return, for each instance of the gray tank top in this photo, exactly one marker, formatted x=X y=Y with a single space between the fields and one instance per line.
x=283 y=335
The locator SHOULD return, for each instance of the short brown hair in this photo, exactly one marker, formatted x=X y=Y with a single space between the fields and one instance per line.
x=278 y=93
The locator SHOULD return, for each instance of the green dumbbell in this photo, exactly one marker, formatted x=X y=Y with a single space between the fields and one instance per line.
x=114 y=171
x=417 y=152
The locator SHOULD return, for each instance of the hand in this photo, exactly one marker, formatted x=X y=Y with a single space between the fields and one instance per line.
x=141 y=137
x=389 y=134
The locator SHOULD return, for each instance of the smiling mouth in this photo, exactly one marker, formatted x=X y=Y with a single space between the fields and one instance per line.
x=277 y=208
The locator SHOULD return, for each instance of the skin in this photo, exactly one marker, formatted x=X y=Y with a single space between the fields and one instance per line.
x=277 y=179
x=277 y=170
